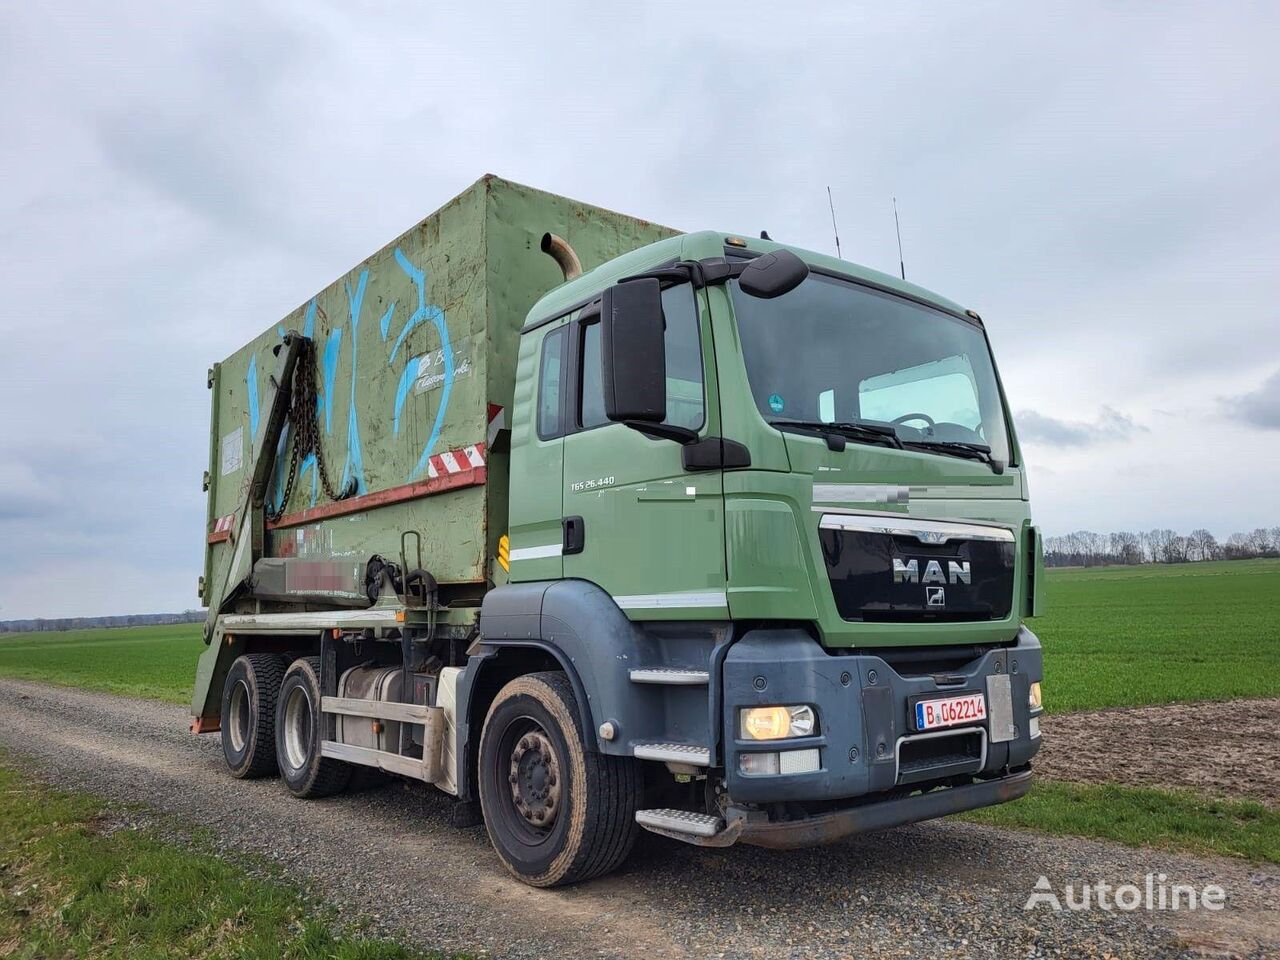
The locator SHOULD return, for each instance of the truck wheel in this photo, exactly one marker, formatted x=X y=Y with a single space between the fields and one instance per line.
x=249 y=714
x=555 y=813
x=299 y=733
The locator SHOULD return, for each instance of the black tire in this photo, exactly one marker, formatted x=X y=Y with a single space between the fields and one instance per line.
x=299 y=733
x=249 y=698
x=532 y=761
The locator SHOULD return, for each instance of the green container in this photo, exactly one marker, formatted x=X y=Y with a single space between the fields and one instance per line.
x=416 y=357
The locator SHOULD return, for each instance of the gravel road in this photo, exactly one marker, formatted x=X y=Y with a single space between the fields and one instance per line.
x=938 y=888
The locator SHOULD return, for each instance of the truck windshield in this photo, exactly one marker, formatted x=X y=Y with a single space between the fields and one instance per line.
x=835 y=352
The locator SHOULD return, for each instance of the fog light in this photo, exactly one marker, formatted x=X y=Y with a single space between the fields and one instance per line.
x=776 y=723
x=758 y=764
x=1035 y=696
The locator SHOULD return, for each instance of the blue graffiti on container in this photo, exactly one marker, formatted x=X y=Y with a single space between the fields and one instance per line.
x=354 y=467
x=332 y=348
x=251 y=387
x=385 y=323
x=421 y=315
x=411 y=373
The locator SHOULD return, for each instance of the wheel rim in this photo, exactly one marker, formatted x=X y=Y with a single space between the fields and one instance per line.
x=297 y=728
x=533 y=773
x=238 y=726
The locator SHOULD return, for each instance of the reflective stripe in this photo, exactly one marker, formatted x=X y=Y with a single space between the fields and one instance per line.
x=649 y=601
x=537 y=553
x=926 y=531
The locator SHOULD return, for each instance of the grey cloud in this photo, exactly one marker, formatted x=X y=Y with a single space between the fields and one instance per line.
x=1111 y=424
x=1260 y=407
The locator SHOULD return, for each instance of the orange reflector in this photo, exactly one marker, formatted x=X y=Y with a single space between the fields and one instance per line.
x=399 y=616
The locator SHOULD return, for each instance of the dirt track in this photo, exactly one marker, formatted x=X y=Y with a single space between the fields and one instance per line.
x=1227 y=749
x=936 y=888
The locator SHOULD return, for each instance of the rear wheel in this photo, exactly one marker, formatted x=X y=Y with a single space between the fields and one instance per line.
x=555 y=813
x=300 y=732
x=249 y=714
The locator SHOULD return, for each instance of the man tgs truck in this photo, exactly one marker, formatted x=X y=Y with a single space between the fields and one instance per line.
x=597 y=526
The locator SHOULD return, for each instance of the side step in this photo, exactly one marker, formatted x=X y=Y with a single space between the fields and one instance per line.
x=668 y=821
x=671 y=677
x=673 y=753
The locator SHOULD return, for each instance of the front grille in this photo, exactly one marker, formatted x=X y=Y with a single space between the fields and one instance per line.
x=883 y=576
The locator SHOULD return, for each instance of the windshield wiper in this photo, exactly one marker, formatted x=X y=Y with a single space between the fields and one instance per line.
x=861 y=431
x=958 y=448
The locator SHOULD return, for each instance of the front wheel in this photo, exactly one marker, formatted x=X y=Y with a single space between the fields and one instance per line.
x=300 y=732
x=555 y=813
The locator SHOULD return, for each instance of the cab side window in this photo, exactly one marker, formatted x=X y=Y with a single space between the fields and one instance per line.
x=686 y=406
x=551 y=384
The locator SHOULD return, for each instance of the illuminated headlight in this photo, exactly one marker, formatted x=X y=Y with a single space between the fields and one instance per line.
x=776 y=723
x=1035 y=702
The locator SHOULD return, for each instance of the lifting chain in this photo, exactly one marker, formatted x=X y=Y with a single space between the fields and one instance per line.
x=306 y=431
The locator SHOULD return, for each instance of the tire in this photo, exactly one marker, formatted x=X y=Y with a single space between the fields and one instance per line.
x=299 y=733
x=570 y=814
x=249 y=698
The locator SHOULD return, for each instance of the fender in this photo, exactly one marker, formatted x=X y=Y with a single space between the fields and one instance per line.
x=583 y=629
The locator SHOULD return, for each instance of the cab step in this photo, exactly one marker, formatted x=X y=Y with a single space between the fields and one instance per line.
x=686 y=822
x=671 y=676
x=673 y=753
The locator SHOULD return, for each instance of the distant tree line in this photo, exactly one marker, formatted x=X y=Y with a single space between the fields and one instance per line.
x=92 y=623
x=1087 y=549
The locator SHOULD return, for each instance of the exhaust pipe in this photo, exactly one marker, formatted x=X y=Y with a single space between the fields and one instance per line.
x=559 y=249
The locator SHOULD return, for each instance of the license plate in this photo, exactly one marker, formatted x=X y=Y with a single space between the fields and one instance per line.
x=951 y=711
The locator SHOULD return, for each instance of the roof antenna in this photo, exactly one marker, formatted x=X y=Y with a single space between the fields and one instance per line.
x=834 y=228
x=901 y=266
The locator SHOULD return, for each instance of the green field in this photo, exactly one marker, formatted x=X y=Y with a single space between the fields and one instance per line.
x=158 y=663
x=1125 y=636
x=1113 y=636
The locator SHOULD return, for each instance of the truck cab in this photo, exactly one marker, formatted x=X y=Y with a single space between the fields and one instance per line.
x=778 y=502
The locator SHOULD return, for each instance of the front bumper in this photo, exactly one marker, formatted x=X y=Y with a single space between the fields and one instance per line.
x=865 y=739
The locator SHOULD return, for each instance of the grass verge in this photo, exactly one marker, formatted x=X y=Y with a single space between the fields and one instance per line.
x=1144 y=817
x=67 y=889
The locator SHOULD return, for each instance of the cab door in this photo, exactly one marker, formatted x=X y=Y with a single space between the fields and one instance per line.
x=636 y=522
x=537 y=453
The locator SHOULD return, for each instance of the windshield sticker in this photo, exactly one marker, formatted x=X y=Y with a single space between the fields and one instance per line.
x=775 y=403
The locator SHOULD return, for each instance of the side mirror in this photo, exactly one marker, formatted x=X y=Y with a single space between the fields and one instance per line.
x=633 y=353
x=773 y=274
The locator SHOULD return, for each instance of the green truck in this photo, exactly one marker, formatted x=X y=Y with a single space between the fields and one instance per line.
x=597 y=527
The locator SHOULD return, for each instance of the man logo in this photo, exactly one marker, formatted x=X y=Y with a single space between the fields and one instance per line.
x=935 y=597
x=909 y=572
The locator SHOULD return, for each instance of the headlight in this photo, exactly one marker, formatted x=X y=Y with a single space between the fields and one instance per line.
x=1035 y=696
x=776 y=723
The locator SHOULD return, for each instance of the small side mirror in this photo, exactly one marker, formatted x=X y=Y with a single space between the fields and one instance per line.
x=633 y=353
x=773 y=274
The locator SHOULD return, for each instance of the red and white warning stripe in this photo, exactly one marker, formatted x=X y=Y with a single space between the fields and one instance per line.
x=456 y=461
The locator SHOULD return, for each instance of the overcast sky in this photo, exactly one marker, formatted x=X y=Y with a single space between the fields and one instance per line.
x=1098 y=181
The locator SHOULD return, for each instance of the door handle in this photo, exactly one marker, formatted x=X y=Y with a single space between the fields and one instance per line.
x=575 y=533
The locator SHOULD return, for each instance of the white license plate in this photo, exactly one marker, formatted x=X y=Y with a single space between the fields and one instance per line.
x=951 y=711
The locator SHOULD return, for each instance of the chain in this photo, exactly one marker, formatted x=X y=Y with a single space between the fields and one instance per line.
x=306 y=431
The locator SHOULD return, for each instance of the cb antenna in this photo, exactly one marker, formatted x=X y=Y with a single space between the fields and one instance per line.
x=834 y=228
x=898 y=228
